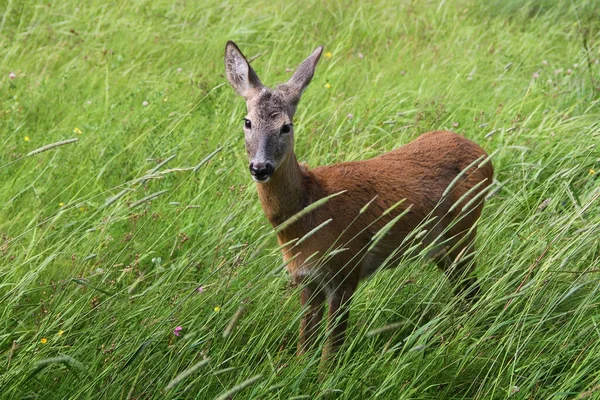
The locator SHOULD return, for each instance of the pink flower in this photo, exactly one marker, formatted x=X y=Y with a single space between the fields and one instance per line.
x=12 y=75
x=177 y=330
x=200 y=289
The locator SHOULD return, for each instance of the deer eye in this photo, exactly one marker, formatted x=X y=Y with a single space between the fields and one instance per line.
x=287 y=128
x=247 y=123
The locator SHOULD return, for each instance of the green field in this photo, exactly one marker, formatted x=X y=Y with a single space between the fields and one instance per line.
x=105 y=241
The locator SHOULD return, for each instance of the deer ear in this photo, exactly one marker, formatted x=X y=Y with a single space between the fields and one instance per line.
x=302 y=77
x=239 y=73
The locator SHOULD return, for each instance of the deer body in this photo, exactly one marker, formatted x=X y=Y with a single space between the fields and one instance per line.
x=331 y=248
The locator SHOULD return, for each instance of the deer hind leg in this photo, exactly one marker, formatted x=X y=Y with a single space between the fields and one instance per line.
x=312 y=300
x=458 y=263
x=339 y=312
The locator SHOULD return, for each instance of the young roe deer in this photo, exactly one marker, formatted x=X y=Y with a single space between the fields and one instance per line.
x=435 y=183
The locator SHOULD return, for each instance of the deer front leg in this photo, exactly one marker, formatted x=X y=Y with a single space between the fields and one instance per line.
x=312 y=303
x=339 y=312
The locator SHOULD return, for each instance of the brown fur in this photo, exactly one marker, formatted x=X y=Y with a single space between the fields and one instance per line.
x=416 y=174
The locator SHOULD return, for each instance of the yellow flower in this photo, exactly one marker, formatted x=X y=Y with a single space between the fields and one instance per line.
x=61 y=204
x=592 y=172
x=26 y=138
x=165 y=99
x=82 y=209
x=217 y=309
x=43 y=340
x=328 y=85
x=60 y=333
x=77 y=131
x=328 y=54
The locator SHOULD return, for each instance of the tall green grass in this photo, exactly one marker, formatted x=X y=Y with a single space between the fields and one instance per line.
x=104 y=246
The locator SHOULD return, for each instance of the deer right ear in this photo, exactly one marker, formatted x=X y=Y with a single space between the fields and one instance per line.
x=239 y=73
x=302 y=77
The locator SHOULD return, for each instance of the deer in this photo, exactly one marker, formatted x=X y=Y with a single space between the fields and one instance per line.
x=427 y=194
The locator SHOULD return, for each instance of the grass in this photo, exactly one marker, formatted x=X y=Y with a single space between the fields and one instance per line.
x=104 y=245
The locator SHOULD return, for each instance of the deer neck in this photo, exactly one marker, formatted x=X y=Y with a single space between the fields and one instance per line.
x=283 y=195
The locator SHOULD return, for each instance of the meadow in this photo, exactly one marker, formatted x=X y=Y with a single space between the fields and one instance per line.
x=135 y=259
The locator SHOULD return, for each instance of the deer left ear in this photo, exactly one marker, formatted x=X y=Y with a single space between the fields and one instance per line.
x=239 y=72
x=302 y=77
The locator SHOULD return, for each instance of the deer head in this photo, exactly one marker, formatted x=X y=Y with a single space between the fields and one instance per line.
x=268 y=125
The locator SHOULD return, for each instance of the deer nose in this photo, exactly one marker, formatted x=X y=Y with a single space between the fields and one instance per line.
x=261 y=171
